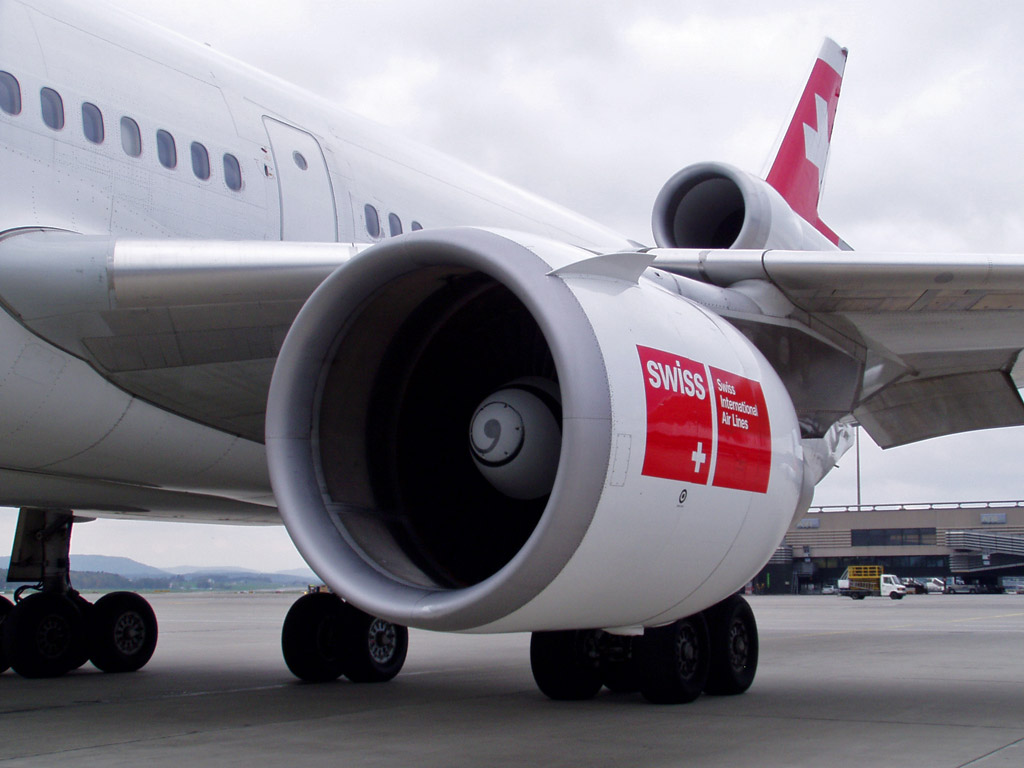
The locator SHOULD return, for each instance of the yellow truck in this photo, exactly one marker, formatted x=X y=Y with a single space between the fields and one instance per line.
x=860 y=581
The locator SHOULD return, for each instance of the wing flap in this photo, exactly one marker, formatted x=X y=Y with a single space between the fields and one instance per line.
x=910 y=411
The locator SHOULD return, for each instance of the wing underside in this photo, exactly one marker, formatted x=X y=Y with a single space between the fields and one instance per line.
x=938 y=335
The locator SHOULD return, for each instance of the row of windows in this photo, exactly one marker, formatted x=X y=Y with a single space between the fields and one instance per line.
x=373 y=225
x=52 y=109
x=892 y=537
x=904 y=565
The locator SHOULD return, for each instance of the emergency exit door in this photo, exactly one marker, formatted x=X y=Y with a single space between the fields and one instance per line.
x=307 y=197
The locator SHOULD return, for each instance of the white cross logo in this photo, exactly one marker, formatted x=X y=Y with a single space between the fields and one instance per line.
x=816 y=140
x=699 y=457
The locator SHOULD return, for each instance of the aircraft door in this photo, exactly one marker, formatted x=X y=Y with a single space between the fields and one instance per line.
x=307 y=198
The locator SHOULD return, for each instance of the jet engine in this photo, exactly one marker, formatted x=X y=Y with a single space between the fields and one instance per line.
x=713 y=205
x=482 y=431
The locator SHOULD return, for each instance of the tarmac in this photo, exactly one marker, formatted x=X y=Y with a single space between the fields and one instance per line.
x=931 y=680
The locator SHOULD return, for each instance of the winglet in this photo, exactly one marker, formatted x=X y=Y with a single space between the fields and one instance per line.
x=798 y=171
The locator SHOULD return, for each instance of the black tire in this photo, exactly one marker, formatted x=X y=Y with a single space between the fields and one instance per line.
x=895 y=596
x=732 y=632
x=43 y=635
x=620 y=676
x=311 y=638
x=123 y=632
x=674 y=661
x=374 y=650
x=567 y=664
x=5 y=608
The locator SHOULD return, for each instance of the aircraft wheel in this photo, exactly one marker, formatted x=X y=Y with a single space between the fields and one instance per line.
x=620 y=676
x=124 y=632
x=5 y=608
x=732 y=632
x=374 y=650
x=674 y=660
x=619 y=671
x=311 y=638
x=566 y=665
x=44 y=635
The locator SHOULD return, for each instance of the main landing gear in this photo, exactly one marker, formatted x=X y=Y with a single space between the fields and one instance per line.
x=54 y=629
x=713 y=652
x=324 y=638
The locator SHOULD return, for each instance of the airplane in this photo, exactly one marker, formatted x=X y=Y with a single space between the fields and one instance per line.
x=227 y=300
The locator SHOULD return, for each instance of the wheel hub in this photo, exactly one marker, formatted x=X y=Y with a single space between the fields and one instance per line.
x=53 y=636
x=129 y=633
x=383 y=641
x=687 y=652
x=738 y=645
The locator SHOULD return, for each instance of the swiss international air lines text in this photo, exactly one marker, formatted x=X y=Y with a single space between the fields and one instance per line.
x=703 y=422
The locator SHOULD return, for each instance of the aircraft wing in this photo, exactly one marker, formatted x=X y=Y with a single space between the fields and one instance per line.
x=939 y=334
x=196 y=326
x=191 y=325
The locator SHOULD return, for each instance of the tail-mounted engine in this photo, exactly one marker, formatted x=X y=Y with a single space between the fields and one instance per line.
x=469 y=430
x=713 y=205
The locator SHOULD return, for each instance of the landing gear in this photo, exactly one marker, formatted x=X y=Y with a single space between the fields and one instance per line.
x=5 y=608
x=734 y=647
x=566 y=665
x=674 y=660
x=324 y=638
x=123 y=632
x=55 y=630
x=44 y=635
x=713 y=652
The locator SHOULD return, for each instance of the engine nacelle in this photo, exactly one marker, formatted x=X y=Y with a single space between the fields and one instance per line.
x=426 y=365
x=713 y=205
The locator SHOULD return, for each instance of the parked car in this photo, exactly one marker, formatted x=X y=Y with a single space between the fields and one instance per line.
x=829 y=589
x=914 y=587
x=935 y=586
x=957 y=586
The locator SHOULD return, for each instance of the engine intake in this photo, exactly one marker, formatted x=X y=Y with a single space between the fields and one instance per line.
x=713 y=205
x=393 y=356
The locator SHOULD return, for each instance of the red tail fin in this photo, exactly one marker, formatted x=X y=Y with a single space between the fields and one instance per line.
x=798 y=171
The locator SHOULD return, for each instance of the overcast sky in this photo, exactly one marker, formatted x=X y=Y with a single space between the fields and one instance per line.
x=595 y=104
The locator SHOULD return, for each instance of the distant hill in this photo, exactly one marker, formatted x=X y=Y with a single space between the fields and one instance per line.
x=122 y=566
x=107 y=572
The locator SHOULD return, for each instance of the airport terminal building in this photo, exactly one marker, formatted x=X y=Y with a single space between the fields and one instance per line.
x=980 y=542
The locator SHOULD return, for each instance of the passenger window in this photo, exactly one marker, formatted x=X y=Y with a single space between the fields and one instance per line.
x=415 y=226
x=166 y=149
x=232 y=173
x=131 y=137
x=10 y=94
x=372 y=221
x=200 y=161
x=52 y=107
x=394 y=224
x=92 y=123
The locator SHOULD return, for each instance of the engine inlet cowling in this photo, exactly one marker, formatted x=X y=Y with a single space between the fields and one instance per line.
x=713 y=205
x=401 y=380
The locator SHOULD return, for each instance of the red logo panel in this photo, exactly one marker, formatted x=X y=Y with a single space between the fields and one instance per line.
x=683 y=440
x=678 y=417
x=744 y=434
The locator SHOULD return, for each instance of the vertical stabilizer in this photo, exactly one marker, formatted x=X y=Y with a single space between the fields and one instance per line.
x=798 y=171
